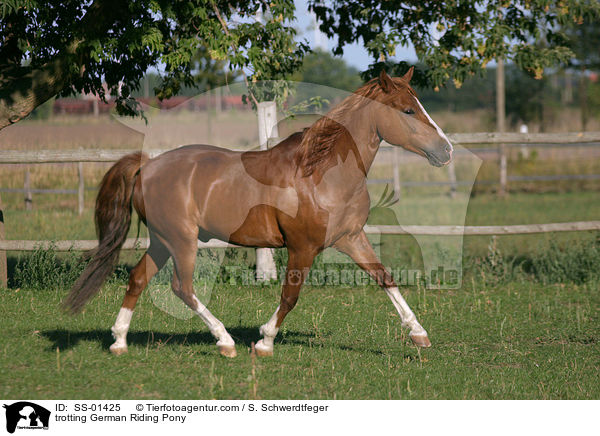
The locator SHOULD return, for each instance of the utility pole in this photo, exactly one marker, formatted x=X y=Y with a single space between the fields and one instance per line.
x=501 y=122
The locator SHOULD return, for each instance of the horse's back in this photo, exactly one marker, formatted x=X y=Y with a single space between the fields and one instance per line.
x=220 y=191
x=191 y=154
x=261 y=164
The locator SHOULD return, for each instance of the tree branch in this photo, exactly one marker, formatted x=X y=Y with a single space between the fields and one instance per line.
x=23 y=88
x=226 y=30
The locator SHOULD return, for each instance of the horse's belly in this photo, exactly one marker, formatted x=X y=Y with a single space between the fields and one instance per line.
x=238 y=208
x=259 y=229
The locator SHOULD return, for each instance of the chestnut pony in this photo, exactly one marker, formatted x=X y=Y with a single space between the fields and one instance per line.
x=307 y=193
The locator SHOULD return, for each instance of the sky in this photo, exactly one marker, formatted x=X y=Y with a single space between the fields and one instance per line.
x=354 y=54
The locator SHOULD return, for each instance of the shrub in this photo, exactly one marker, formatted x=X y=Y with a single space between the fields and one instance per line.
x=44 y=269
x=578 y=263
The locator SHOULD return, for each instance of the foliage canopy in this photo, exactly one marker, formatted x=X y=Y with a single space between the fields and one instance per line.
x=55 y=47
x=455 y=39
x=58 y=47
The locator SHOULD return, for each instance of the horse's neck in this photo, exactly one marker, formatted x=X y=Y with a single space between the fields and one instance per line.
x=362 y=137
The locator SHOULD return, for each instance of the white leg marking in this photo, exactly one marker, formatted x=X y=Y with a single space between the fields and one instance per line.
x=406 y=315
x=215 y=326
x=119 y=330
x=433 y=123
x=269 y=331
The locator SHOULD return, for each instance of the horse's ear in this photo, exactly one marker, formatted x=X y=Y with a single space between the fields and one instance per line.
x=409 y=74
x=386 y=82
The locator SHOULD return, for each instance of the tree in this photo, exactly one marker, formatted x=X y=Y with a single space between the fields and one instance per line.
x=55 y=47
x=584 y=41
x=525 y=97
x=208 y=74
x=455 y=39
x=476 y=93
x=322 y=68
x=211 y=73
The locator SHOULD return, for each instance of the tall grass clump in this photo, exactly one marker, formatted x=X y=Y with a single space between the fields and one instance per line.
x=576 y=263
x=495 y=268
x=45 y=269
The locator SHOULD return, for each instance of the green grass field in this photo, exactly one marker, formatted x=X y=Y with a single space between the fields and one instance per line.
x=514 y=341
x=508 y=333
x=505 y=334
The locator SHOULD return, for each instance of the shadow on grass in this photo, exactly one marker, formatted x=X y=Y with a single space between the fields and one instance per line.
x=66 y=339
x=307 y=340
x=244 y=336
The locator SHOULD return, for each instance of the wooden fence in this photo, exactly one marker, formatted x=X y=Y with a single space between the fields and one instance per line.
x=80 y=156
x=499 y=140
x=143 y=243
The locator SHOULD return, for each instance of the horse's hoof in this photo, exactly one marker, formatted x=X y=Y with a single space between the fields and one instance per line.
x=263 y=351
x=118 y=350
x=227 y=350
x=421 y=341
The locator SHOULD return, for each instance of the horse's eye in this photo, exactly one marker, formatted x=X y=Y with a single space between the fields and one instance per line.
x=409 y=112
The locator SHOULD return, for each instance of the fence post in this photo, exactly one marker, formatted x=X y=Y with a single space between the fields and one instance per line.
x=80 y=189
x=27 y=188
x=3 y=265
x=503 y=170
x=218 y=100
x=396 y=172
x=267 y=128
x=452 y=177
x=209 y=120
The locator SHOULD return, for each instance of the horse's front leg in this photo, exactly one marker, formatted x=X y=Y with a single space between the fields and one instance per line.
x=359 y=248
x=299 y=263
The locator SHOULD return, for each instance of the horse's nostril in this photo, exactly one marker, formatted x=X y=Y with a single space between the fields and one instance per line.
x=448 y=148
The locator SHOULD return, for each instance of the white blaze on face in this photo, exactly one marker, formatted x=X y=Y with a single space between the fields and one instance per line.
x=437 y=128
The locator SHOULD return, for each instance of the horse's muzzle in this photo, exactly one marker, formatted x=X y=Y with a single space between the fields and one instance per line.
x=439 y=153
x=439 y=159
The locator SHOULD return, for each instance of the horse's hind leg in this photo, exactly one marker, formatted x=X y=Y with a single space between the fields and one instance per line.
x=184 y=259
x=360 y=250
x=152 y=261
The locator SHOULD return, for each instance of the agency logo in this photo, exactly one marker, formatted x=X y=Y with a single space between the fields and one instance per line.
x=26 y=415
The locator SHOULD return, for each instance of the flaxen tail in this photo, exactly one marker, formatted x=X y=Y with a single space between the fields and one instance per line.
x=113 y=218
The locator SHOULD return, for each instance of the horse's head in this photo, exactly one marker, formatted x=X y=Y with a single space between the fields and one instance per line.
x=401 y=120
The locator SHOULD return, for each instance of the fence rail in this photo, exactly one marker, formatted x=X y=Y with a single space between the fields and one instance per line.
x=500 y=139
x=75 y=156
x=90 y=244
x=524 y=138
x=143 y=243
x=519 y=229
x=543 y=140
